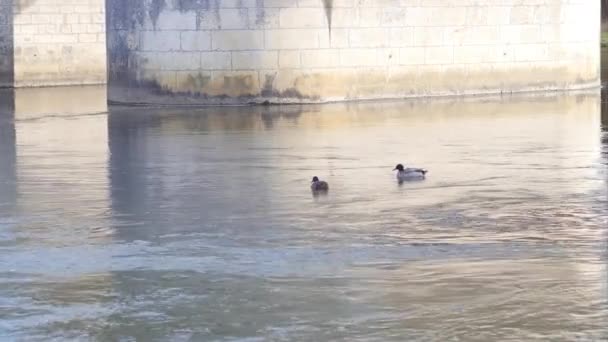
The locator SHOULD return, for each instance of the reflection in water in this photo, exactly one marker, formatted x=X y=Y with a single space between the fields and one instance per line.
x=8 y=184
x=605 y=121
x=61 y=164
x=199 y=224
x=214 y=169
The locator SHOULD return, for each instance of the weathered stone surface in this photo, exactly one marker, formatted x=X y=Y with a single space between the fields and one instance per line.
x=52 y=42
x=7 y=48
x=234 y=52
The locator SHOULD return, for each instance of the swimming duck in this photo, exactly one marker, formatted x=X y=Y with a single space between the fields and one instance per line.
x=404 y=174
x=318 y=185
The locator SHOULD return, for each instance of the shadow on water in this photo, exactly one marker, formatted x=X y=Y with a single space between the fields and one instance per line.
x=143 y=143
x=604 y=117
x=8 y=153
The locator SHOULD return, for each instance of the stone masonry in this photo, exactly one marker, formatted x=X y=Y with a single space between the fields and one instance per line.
x=6 y=44
x=242 y=51
x=56 y=42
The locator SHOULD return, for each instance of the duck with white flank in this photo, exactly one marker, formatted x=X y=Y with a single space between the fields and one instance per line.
x=318 y=185
x=409 y=174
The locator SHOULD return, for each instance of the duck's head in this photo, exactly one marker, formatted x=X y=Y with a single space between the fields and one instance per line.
x=399 y=167
x=315 y=179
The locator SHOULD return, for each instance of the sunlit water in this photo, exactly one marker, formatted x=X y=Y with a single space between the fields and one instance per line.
x=183 y=224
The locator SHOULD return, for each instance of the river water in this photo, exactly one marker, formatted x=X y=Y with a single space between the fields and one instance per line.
x=142 y=224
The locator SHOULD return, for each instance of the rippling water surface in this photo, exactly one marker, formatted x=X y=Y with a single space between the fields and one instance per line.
x=198 y=224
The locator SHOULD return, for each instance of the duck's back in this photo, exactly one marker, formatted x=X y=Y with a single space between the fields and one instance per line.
x=415 y=171
x=320 y=186
x=411 y=173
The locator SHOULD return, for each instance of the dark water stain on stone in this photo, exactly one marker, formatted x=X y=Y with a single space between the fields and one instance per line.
x=125 y=14
x=267 y=88
x=197 y=82
x=191 y=5
x=7 y=46
x=270 y=92
x=20 y=5
x=329 y=5
x=243 y=12
x=124 y=19
x=260 y=13
x=200 y=7
x=156 y=6
x=217 y=13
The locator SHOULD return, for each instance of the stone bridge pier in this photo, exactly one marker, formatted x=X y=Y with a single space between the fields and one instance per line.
x=52 y=42
x=206 y=52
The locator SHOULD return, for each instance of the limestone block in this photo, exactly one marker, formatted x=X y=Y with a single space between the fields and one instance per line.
x=166 y=79
x=195 y=40
x=216 y=60
x=326 y=58
x=514 y=34
x=160 y=40
x=234 y=83
x=455 y=16
x=358 y=57
x=499 y=15
x=482 y=54
x=478 y=16
x=264 y=18
x=234 y=18
x=337 y=38
x=401 y=37
x=238 y=3
x=551 y=33
x=428 y=36
x=175 y=20
x=292 y=39
x=302 y=18
x=393 y=16
x=531 y=52
x=21 y=19
x=418 y=16
x=344 y=17
x=343 y=3
x=289 y=59
x=481 y=35
x=191 y=82
x=171 y=60
x=369 y=37
x=522 y=15
x=411 y=56
x=254 y=60
x=280 y=3
x=371 y=17
x=438 y=55
x=87 y=38
x=236 y=40
x=309 y=3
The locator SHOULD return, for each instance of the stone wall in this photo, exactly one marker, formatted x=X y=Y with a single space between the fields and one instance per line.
x=239 y=51
x=56 y=42
x=6 y=43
